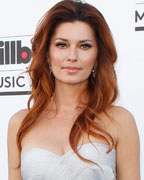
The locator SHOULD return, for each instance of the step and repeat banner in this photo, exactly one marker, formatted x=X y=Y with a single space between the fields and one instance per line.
x=18 y=20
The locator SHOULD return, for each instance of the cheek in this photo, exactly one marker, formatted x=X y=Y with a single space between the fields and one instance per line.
x=88 y=58
x=56 y=57
x=56 y=60
x=89 y=62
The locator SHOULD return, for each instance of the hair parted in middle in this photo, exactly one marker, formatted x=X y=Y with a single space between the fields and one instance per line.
x=102 y=90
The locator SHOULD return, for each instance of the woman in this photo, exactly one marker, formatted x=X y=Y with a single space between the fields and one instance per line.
x=73 y=130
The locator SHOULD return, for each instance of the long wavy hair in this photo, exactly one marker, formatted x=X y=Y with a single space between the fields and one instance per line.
x=102 y=90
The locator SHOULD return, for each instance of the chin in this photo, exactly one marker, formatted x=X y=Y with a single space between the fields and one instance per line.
x=72 y=81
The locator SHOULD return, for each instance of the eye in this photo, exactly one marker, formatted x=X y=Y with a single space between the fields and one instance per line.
x=61 y=45
x=86 y=46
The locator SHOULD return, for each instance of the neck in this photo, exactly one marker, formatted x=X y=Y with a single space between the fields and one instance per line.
x=66 y=95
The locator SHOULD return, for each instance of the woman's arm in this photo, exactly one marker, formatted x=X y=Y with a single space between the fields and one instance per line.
x=13 y=153
x=128 y=147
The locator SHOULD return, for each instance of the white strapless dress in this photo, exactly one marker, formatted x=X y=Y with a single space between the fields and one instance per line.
x=41 y=164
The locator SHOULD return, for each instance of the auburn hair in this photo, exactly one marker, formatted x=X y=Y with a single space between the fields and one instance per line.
x=102 y=90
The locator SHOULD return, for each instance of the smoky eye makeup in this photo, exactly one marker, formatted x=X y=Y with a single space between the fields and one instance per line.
x=86 y=46
x=82 y=46
x=60 y=44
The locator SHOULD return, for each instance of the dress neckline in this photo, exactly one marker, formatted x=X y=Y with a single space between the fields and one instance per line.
x=68 y=152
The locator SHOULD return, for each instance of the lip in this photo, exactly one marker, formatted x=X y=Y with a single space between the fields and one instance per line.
x=71 y=68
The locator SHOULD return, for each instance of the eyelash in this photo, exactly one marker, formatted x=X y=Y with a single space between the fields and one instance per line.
x=63 y=44
x=87 y=45
x=60 y=44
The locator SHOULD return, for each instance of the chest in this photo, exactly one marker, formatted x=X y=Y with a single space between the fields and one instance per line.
x=53 y=134
x=50 y=133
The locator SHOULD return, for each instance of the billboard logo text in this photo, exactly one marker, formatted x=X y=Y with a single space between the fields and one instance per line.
x=12 y=52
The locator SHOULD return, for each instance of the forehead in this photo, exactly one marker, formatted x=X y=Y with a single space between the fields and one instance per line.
x=74 y=30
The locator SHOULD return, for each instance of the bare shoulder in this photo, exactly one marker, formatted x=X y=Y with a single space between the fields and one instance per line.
x=18 y=116
x=128 y=145
x=14 y=123
x=13 y=152
x=122 y=116
x=128 y=136
x=123 y=125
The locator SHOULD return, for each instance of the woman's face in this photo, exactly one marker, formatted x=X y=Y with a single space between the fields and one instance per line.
x=73 y=52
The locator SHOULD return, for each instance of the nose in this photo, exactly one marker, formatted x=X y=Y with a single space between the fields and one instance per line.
x=72 y=54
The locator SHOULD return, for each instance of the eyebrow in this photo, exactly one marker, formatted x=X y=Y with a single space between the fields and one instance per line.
x=66 y=40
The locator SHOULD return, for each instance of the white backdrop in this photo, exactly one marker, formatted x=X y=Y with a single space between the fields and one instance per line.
x=18 y=20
